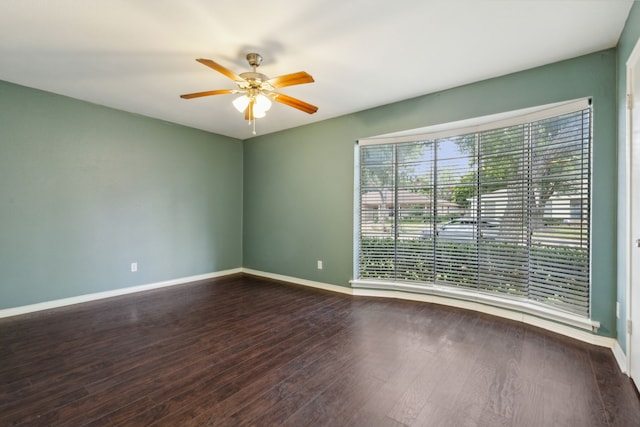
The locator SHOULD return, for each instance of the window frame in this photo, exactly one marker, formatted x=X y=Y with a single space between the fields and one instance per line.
x=471 y=126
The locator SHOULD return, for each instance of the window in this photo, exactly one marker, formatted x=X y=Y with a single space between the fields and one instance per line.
x=500 y=210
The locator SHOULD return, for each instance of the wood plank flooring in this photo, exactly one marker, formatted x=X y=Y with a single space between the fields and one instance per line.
x=246 y=351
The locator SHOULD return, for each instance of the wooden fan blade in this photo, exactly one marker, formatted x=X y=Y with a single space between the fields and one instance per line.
x=248 y=112
x=207 y=93
x=294 y=102
x=219 y=68
x=301 y=77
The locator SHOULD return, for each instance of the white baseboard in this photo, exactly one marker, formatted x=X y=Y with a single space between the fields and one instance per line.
x=297 y=281
x=15 y=311
x=621 y=358
x=581 y=335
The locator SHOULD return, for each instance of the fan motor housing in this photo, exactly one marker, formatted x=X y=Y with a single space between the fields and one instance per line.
x=254 y=77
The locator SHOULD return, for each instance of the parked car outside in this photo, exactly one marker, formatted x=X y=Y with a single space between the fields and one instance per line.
x=467 y=230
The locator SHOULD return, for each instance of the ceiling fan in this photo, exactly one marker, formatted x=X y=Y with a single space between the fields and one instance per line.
x=258 y=90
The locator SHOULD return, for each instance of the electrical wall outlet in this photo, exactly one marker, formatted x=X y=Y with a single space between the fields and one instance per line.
x=319 y=264
x=134 y=267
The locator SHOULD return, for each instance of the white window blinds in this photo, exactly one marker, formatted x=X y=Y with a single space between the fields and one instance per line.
x=502 y=209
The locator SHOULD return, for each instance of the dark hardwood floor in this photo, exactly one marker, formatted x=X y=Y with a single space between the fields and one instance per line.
x=246 y=351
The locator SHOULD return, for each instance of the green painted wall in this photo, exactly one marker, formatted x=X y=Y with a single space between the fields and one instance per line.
x=298 y=184
x=86 y=190
x=628 y=40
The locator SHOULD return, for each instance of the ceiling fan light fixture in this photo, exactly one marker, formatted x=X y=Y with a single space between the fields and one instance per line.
x=241 y=102
x=262 y=102
x=258 y=113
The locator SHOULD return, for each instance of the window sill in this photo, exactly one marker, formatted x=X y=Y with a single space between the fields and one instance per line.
x=468 y=299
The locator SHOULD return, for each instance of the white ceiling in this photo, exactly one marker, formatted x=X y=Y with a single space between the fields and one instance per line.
x=139 y=55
